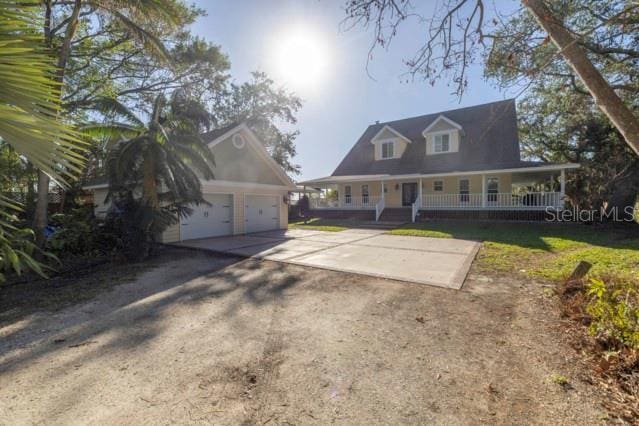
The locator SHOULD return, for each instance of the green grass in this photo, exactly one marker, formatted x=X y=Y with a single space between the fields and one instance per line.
x=317 y=224
x=542 y=250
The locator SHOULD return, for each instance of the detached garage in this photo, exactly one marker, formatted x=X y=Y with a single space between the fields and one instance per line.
x=261 y=213
x=249 y=192
x=209 y=220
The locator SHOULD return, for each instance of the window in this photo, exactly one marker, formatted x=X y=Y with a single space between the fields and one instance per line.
x=442 y=142
x=464 y=190
x=347 y=194
x=492 y=188
x=388 y=150
x=364 y=194
x=438 y=186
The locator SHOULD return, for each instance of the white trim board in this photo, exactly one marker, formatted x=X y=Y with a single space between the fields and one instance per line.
x=260 y=149
x=393 y=131
x=444 y=118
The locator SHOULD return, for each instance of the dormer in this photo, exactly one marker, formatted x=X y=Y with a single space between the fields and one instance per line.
x=442 y=136
x=389 y=143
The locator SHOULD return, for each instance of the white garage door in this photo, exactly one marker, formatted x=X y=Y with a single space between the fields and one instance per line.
x=209 y=221
x=261 y=213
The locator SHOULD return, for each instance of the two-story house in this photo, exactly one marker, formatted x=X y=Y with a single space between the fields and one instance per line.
x=459 y=163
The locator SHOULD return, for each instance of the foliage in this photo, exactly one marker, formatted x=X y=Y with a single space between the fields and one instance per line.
x=559 y=121
x=17 y=248
x=29 y=96
x=153 y=168
x=78 y=233
x=134 y=224
x=263 y=106
x=614 y=309
x=319 y=225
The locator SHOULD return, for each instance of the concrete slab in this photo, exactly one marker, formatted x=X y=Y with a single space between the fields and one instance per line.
x=439 y=245
x=337 y=237
x=433 y=261
x=228 y=243
x=282 y=249
x=440 y=269
x=285 y=234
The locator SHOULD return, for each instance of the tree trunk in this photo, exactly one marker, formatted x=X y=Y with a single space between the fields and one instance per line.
x=605 y=97
x=149 y=185
x=40 y=217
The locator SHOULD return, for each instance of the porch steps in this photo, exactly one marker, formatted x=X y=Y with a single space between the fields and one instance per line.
x=396 y=215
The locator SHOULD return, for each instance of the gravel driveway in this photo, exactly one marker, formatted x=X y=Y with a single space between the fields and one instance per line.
x=208 y=339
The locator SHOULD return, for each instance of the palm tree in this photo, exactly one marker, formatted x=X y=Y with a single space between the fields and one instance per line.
x=29 y=96
x=29 y=107
x=161 y=161
x=128 y=13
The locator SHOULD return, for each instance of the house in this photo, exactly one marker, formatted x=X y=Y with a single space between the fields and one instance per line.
x=460 y=163
x=249 y=193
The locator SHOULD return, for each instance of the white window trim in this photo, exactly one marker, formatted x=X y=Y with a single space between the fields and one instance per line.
x=450 y=139
x=435 y=181
x=381 y=149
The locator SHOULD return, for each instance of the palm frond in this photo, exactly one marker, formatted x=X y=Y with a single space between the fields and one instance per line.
x=150 y=41
x=29 y=96
x=111 y=107
x=111 y=131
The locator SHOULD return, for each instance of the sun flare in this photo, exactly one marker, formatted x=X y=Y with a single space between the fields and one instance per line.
x=300 y=59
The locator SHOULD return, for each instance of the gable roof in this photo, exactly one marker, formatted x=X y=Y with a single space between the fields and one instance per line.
x=393 y=131
x=441 y=117
x=216 y=136
x=490 y=141
x=211 y=139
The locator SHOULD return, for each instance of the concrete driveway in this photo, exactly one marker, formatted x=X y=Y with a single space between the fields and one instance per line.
x=433 y=261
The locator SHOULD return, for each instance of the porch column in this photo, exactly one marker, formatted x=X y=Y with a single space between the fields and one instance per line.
x=562 y=188
x=421 y=192
x=483 y=190
x=382 y=189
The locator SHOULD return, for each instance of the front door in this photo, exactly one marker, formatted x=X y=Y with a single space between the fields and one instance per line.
x=409 y=193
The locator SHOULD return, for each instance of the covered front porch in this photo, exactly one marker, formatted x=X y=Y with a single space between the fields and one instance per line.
x=527 y=189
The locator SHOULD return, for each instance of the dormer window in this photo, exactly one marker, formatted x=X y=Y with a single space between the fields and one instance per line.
x=388 y=149
x=442 y=142
x=389 y=143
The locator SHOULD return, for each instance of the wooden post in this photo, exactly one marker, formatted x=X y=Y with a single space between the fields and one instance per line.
x=483 y=190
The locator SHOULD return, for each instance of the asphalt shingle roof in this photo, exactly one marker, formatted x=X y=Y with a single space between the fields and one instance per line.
x=490 y=141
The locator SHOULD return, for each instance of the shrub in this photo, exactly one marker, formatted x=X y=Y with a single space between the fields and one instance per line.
x=614 y=308
x=79 y=233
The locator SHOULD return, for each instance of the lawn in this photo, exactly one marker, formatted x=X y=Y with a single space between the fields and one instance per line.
x=542 y=250
x=317 y=224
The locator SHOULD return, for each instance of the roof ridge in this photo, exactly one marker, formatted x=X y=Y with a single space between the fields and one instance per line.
x=382 y=123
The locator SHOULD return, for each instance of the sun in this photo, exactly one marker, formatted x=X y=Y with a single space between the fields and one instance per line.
x=300 y=59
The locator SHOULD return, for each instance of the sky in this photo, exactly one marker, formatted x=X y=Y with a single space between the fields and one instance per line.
x=300 y=44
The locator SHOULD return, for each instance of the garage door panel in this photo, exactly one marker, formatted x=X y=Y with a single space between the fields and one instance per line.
x=209 y=220
x=261 y=213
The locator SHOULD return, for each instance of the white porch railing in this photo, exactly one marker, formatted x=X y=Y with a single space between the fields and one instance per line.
x=379 y=208
x=504 y=200
x=345 y=202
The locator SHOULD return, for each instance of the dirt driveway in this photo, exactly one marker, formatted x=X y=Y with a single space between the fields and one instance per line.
x=206 y=339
